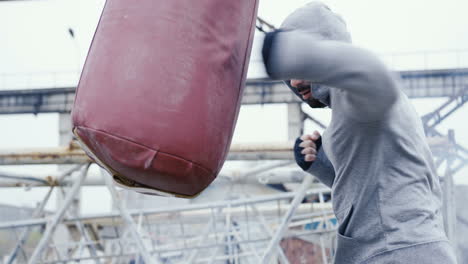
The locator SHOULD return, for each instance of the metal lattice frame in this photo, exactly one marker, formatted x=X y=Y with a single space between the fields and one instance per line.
x=436 y=117
x=230 y=230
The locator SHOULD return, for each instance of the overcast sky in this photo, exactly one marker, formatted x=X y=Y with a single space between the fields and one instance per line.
x=36 y=49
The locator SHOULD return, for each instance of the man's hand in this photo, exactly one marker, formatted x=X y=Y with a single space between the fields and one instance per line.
x=306 y=148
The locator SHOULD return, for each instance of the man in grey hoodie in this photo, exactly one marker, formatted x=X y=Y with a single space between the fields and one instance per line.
x=385 y=191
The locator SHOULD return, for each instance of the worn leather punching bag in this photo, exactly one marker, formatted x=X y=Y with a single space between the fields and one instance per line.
x=160 y=91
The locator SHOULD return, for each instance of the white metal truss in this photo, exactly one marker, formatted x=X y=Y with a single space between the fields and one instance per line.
x=234 y=231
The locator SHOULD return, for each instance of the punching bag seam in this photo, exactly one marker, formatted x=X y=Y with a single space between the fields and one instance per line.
x=150 y=148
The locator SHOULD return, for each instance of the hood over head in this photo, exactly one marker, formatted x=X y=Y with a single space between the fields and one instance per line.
x=317 y=19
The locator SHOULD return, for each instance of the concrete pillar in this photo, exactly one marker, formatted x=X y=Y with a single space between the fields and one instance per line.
x=295 y=121
x=65 y=126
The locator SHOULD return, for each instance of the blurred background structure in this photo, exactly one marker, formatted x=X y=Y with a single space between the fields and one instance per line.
x=262 y=207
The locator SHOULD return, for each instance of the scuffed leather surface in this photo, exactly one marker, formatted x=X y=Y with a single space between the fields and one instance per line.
x=160 y=92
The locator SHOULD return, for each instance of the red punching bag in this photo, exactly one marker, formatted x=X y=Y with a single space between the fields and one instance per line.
x=160 y=91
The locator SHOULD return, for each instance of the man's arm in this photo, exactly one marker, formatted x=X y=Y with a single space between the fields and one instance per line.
x=323 y=169
x=369 y=86
x=311 y=157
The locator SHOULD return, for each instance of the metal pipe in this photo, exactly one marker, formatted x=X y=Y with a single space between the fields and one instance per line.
x=227 y=233
x=268 y=173
x=52 y=224
x=73 y=154
x=17 y=180
x=205 y=233
x=263 y=224
x=281 y=175
x=240 y=238
x=322 y=244
x=23 y=223
x=39 y=210
x=191 y=207
x=324 y=254
x=84 y=234
x=128 y=220
x=249 y=175
x=300 y=194
x=57 y=155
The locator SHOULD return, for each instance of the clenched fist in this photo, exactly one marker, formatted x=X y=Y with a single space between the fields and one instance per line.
x=306 y=148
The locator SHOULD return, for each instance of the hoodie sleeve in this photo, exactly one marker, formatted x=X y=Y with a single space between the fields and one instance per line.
x=323 y=169
x=369 y=86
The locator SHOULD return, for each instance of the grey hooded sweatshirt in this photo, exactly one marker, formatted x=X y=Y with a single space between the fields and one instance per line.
x=385 y=191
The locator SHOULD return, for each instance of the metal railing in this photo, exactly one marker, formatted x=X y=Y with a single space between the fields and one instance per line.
x=246 y=230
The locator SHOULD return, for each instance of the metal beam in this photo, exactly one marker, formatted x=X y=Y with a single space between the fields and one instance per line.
x=267 y=173
x=192 y=210
x=35 y=101
x=38 y=212
x=236 y=209
x=53 y=223
x=300 y=194
x=74 y=155
x=58 y=155
x=418 y=84
x=266 y=229
x=436 y=117
x=25 y=234
x=145 y=254
x=460 y=155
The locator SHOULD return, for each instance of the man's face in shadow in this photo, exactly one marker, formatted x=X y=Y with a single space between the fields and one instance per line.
x=303 y=87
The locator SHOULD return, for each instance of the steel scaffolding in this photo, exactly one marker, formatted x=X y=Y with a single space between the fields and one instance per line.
x=244 y=230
